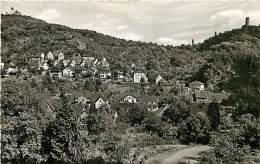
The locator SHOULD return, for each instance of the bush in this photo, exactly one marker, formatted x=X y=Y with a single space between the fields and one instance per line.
x=179 y=110
x=195 y=129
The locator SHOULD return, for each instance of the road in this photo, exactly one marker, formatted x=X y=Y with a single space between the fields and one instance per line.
x=187 y=153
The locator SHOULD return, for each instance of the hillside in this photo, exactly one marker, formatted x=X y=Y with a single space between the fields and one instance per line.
x=33 y=36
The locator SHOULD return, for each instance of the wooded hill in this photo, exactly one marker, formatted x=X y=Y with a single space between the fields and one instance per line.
x=24 y=36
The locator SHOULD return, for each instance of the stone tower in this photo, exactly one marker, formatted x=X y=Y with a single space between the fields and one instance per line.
x=247 y=23
x=192 y=42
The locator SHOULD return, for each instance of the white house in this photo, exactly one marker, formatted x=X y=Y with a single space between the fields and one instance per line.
x=197 y=85
x=60 y=56
x=50 y=56
x=88 y=58
x=11 y=71
x=42 y=56
x=2 y=65
x=159 y=79
x=83 y=100
x=139 y=76
x=65 y=62
x=56 y=62
x=73 y=63
x=99 y=102
x=104 y=62
x=130 y=99
x=118 y=75
x=68 y=72
x=105 y=75
x=45 y=66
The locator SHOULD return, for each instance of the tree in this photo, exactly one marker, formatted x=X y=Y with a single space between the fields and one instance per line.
x=195 y=129
x=154 y=124
x=227 y=148
x=250 y=129
x=136 y=115
x=178 y=110
x=245 y=84
x=60 y=138
x=89 y=84
x=21 y=120
x=214 y=115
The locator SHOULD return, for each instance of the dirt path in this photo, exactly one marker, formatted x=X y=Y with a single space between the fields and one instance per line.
x=175 y=157
x=186 y=153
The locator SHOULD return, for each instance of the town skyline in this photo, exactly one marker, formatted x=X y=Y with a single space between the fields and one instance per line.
x=145 y=21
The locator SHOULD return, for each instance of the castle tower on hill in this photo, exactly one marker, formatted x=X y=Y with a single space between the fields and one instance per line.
x=247 y=23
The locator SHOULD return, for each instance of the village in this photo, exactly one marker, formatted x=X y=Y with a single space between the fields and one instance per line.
x=90 y=83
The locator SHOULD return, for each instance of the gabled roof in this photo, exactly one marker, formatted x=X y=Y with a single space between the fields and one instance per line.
x=130 y=96
x=68 y=68
x=196 y=83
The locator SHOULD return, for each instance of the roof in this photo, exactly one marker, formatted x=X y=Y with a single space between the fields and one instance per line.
x=217 y=97
x=149 y=99
x=130 y=96
x=117 y=105
x=92 y=96
x=196 y=83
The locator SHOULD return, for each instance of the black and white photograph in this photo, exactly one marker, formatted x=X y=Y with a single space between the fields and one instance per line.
x=130 y=82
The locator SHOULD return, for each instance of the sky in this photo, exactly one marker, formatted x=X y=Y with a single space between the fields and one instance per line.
x=162 y=21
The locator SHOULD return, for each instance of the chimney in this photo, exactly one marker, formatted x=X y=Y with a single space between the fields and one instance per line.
x=247 y=21
x=215 y=34
x=192 y=41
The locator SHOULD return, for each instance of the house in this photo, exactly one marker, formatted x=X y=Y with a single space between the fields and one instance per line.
x=179 y=84
x=88 y=58
x=45 y=66
x=60 y=56
x=34 y=61
x=130 y=99
x=159 y=79
x=50 y=56
x=100 y=102
x=118 y=76
x=68 y=72
x=55 y=73
x=83 y=100
x=105 y=75
x=151 y=103
x=2 y=65
x=73 y=63
x=55 y=63
x=42 y=56
x=65 y=62
x=104 y=62
x=197 y=85
x=12 y=71
x=208 y=97
x=140 y=77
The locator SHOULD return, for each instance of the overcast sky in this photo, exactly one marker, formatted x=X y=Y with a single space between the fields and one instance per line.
x=165 y=22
